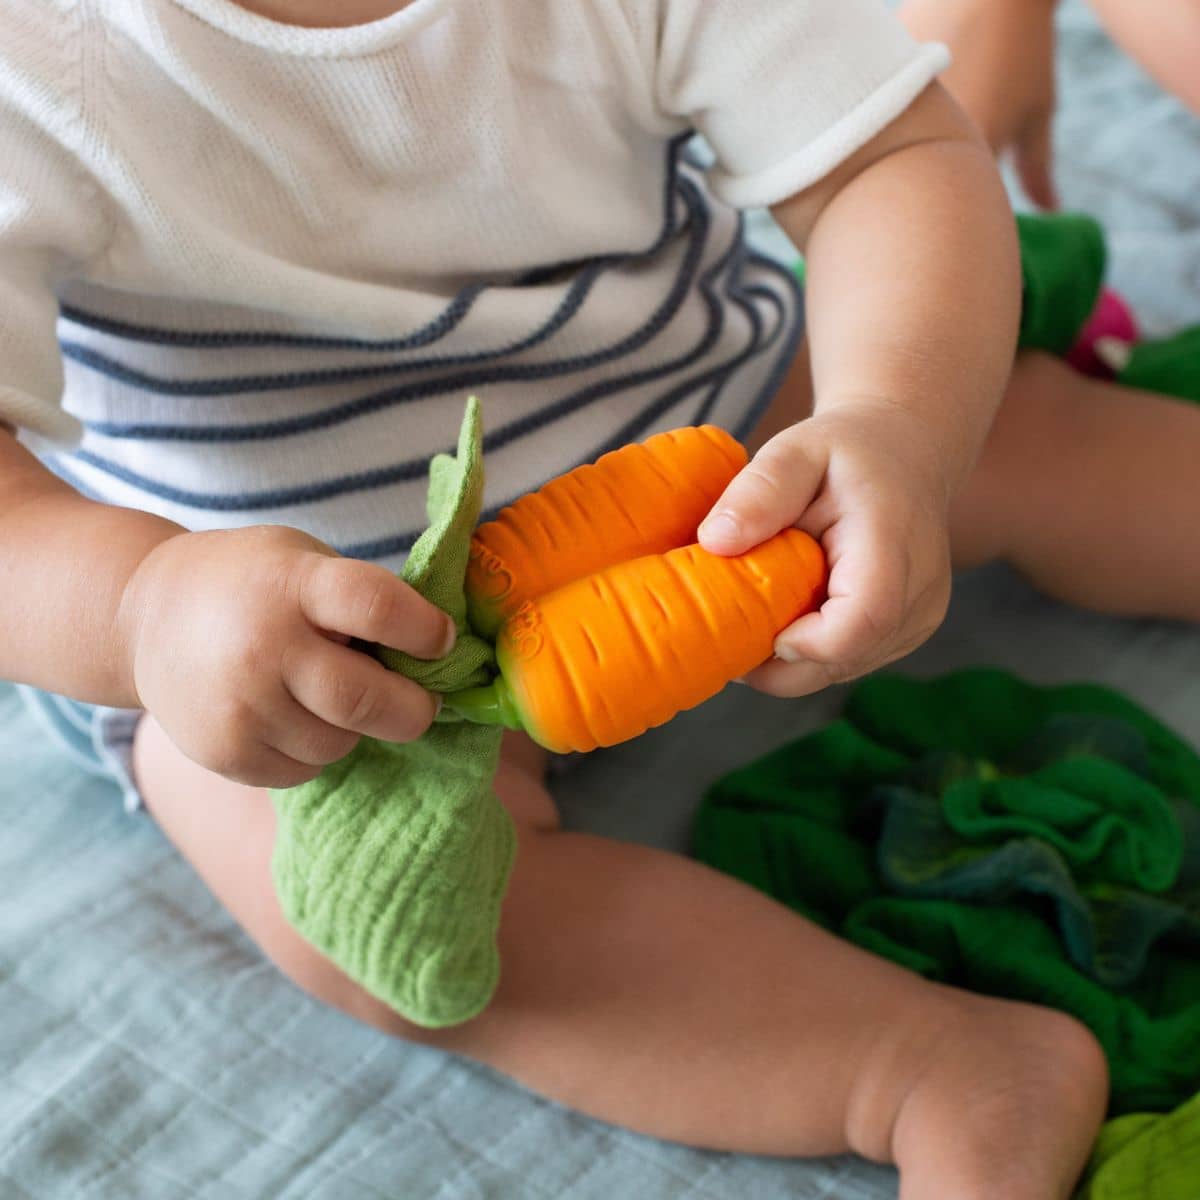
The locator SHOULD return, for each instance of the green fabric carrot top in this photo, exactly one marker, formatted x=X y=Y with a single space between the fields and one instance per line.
x=393 y=862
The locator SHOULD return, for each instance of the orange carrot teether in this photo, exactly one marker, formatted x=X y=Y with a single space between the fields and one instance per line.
x=626 y=648
x=611 y=619
x=642 y=499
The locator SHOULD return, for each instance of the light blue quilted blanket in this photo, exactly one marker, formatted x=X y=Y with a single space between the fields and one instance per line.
x=148 y=1053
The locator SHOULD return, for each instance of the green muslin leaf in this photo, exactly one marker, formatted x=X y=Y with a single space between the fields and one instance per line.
x=394 y=861
x=437 y=566
x=1144 y=1156
x=1170 y=366
x=1063 y=258
x=1037 y=843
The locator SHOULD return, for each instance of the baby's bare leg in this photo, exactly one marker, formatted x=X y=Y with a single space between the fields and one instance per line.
x=652 y=992
x=1089 y=489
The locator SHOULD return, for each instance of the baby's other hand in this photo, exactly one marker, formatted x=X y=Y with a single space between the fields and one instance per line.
x=238 y=644
x=863 y=480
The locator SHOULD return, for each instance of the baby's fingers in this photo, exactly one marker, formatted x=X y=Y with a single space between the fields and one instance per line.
x=1034 y=155
x=869 y=619
x=768 y=495
x=366 y=601
x=350 y=691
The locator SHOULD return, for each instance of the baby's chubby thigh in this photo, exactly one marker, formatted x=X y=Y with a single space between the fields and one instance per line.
x=226 y=831
x=521 y=784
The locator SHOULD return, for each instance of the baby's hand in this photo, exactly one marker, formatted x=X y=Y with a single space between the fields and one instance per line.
x=864 y=482
x=238 y=646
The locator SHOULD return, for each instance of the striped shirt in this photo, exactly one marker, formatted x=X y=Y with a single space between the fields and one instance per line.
x=249 y=272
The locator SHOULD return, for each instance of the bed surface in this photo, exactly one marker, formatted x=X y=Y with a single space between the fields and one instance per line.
x=146 y=1050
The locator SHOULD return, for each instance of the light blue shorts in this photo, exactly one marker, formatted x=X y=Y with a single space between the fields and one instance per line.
x=99 y=739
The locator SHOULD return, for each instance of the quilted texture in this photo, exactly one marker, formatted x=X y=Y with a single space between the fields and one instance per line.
x=1040 y=844
x=147 y=1052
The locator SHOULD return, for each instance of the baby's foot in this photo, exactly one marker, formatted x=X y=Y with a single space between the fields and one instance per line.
x=1005 y=1105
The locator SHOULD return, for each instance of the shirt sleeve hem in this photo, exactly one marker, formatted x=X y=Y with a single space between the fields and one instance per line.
x=26 y=413
x=805 y=167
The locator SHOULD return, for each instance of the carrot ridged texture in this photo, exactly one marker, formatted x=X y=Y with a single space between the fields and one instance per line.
x=607 y=657
x=645 y=498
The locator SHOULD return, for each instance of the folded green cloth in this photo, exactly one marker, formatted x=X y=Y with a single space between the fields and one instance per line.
x=1147 y=1157
x=1063 y=263
x=1170 y=366
x=1037 y=843
x=1063 y=259
x=394 y=861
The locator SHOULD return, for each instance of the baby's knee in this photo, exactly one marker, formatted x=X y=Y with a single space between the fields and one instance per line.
x=534 y=817
x=309 y=970
x=1035 y=368
x=1005 y=489
x=1043 y=392
x=1036 y=380
x=1080 y=1050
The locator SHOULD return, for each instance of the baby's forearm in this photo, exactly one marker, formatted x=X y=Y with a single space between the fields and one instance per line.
x=1164 y=36
x=913 y=281
x=64 y=565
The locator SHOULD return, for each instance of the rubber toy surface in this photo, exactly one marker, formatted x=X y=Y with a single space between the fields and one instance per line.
x=611 y=618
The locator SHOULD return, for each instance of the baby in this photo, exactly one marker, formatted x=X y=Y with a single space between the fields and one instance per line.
x=1003 y=72
x=253 y=256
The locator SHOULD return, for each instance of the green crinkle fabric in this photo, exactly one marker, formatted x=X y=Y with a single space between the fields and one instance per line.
x=1041 y=844
x=1063 y=259
x=1063 y=263
x=394 y=861
x=1170 y=366
x=1144 y=1156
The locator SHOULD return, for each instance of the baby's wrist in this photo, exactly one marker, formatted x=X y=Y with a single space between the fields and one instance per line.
x=140 y=601
x=937 y=452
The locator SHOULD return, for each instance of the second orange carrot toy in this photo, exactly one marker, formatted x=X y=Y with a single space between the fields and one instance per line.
x=619 y=644
x=642 y=499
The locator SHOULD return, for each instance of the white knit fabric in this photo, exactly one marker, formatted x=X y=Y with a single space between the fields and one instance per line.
x=249 y=272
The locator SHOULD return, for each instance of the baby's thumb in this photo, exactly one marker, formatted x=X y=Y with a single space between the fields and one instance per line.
x=1034 y=156
x=768 y=495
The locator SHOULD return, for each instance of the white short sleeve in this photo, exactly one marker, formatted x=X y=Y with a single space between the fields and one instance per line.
x=785 y=90
x=49 y=219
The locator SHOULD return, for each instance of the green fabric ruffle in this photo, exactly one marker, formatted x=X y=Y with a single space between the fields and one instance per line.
x=1041 y=844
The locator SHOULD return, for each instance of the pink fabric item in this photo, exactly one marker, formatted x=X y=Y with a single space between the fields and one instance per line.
x=1111 y=320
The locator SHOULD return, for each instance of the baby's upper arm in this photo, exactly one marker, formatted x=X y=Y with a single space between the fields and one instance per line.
x=932 y=117
x=785 y=92
x=52 y=220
